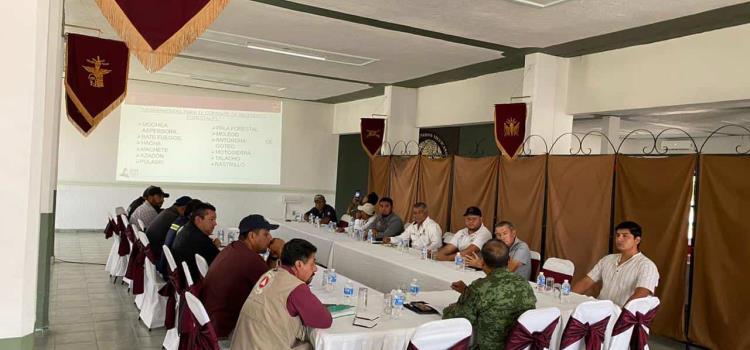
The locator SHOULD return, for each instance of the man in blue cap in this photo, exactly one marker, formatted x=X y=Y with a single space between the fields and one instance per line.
x=157 y=231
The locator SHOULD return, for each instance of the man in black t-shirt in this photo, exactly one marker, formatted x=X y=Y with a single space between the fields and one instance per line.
x=325 y=212
x=194 y=238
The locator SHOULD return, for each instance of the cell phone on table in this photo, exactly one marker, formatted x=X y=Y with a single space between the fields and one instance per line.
x=357 y=194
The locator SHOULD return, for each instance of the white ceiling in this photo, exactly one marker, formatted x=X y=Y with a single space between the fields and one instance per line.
x=517 y=25
x=397 y=56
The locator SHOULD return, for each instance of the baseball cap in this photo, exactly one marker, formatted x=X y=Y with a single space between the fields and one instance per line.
x=368 y=208
x=254 y=222
x=473 y=211
x=145 y=192
x=182 y=201
x=319 y=197
x=155 y=190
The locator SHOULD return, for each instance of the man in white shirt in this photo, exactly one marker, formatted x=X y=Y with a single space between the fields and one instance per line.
x=625 y=276
x=366 y=217
x=423 y=232
x=469 y=240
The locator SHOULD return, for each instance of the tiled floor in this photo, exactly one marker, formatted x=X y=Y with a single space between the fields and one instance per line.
x=88 y=312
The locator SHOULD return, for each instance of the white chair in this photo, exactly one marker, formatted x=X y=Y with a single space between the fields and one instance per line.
x=172 y=338
x=154 y=305
x=637 y=306
x=590 y=313
x=112 y=251
x=559 y=269
x=139 y=236
x=186 y=271
x=536 y=261
x=441 y=334
x=538 y=320
x=202 y=265
x=199 y=312
x=120 y=264
x=141 y=224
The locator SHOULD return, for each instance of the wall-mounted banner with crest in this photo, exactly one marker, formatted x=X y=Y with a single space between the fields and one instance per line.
x=510 y=128
x=96 y=79
x=372 y=134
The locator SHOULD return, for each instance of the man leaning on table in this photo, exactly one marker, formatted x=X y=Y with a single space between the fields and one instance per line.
x=520 y=255
x=627 y=275
x=423 y=232
x=493 y=303
x=322 y=210
x=468 y=240
x=387 y=223
x=281 y=305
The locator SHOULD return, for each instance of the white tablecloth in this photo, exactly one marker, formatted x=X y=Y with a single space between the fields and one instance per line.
x=377 y=266
x=392 y=334
x=322 y=238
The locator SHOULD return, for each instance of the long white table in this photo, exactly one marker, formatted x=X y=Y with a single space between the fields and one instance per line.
x=392 y=334
x=375 y=265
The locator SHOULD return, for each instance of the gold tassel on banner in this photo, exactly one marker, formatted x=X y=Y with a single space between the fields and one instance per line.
x=156 y=58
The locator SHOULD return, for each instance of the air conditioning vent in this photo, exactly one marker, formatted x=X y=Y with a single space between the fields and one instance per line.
x=539 y=3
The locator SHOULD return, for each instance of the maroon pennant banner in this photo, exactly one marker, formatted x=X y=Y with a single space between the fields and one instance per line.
x=96 y=79
x=372 y=134
x=156 y=31
x=510 y=128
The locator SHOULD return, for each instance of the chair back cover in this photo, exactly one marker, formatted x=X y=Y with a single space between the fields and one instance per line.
x=535 y=330
x=588 y=325
x=441 y=334
x=636 y=313
x=202 y=265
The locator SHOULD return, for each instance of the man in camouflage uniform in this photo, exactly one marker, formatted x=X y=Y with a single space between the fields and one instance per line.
x=492 y=304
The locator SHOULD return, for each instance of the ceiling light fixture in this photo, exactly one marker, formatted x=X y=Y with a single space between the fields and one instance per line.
x=231 y=82
x=689 y=111
x=284 y=48
x=539 y=3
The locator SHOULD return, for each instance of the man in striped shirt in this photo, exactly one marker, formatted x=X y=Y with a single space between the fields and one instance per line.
x=625 y=276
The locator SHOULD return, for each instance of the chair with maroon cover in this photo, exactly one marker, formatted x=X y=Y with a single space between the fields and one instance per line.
x=171 y=291
x=450 y=334
x=536 y=329
x=111 y=231
x=201 y=334
x=589 y=326
x=153 y=310
x=536 y=261
x=632 y=328
x=119 y=265
x=202 y=265
x=559 y=269
x=135 y=272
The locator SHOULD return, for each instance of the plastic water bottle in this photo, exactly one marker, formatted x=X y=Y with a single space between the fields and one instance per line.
x=324 y=280
x=424 y=253
x=370 y=237
x=331 y=280
x=349 y=292
x=459 y=261
x=565 y=289
x=398 y=304
x=541 y=282
x=414 y=289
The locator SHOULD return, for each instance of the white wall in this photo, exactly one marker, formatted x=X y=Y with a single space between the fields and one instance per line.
x=87 y=189
x=467 y=101
x=346 y=115
x=701 y=68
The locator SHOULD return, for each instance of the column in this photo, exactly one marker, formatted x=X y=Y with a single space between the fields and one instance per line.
x=28 y=141
x=401 y=125
x=546 y=85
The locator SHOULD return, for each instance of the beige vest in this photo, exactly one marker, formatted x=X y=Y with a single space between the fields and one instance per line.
x=264 y=321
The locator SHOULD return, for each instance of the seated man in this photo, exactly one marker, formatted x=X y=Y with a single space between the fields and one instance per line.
x=281 y=305
x=157 y=231
x=235 y=271
x=150 y=208
x=493 y=303
x=625 y=276
x=468 y=240
x=137 y=202
x=423 y=232
x=366 y=214
x=325 y=212
x=194 y=239
x=351 y=210
x=520 y=256
x=387 y=224
x=162 y=265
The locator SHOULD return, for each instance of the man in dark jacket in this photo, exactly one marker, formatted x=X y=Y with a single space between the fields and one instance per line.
x=157 y=231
